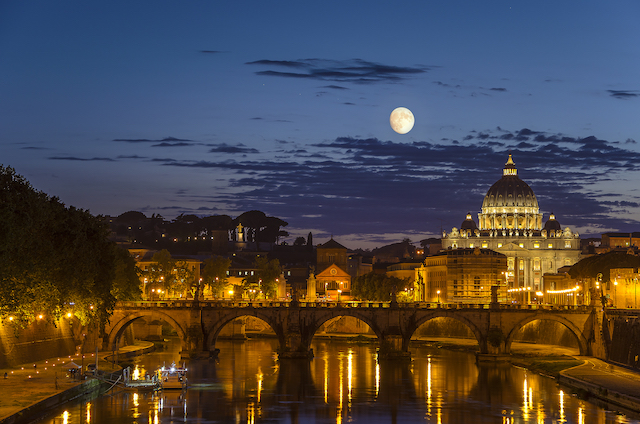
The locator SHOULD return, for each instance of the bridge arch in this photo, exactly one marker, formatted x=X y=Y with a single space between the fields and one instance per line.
x=582 y=341
x=214 y=330
x=323 y=318
x=121 y=325
x=444 y=313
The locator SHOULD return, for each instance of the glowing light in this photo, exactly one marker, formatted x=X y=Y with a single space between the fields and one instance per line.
x=68 y=314
x=65 y=417
x=40 y=316
x=565 y=291
x=88 y=412
x=260 y=378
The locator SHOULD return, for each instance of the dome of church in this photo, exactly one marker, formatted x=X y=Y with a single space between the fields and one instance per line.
x=469 y=224
x=552 y=224
x=510 y=191
x=510 y=204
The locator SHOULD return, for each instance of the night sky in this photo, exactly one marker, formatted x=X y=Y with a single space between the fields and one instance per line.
x=283 y=106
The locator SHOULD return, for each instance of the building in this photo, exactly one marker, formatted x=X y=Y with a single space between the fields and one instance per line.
x=332 y=281
x=620 y=240
x=463 y=275
x=510 y=222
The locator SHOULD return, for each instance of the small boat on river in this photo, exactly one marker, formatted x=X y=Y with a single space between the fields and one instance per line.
x=173 y=378
x=149 y=382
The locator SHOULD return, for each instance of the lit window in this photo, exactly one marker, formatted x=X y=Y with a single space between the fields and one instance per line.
x=536 y=245
x=485 y=244
x=550 y=245
x=567 y=244
x=499 y=245
x=471 y=245
x=521 y=245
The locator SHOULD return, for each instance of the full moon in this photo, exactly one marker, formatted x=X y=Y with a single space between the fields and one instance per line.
x=401 y=120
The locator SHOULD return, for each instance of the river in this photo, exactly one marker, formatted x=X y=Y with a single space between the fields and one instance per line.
x=344 y=383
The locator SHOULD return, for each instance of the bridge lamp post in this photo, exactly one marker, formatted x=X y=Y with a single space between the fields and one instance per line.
x=438 y=293
x=615 y=293
x=339 y=293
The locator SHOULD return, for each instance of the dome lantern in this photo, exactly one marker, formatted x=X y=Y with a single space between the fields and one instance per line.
x=510 y=204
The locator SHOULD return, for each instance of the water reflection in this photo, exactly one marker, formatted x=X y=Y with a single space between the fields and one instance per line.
x=344 y=383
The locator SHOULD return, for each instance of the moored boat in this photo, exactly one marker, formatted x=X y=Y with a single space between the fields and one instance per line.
x=173 y=378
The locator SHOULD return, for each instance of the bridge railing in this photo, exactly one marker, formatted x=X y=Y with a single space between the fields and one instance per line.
x=147 y=304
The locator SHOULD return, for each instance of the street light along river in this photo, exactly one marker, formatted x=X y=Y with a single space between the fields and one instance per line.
x=343 y=383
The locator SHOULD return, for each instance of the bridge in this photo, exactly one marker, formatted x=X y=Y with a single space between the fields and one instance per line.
x=198 y=323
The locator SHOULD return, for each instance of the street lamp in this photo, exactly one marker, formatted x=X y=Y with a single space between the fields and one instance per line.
x=438 y=292
x=615 y=293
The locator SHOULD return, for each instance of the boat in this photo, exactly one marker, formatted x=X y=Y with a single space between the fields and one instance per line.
x=173 y=378
x=149 y=382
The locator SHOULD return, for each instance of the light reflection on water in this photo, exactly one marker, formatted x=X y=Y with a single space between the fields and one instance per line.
x=343 y=383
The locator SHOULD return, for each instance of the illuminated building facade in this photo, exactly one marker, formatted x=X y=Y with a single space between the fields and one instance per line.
x=461 y=276
x=332 y=281
x=510 y=222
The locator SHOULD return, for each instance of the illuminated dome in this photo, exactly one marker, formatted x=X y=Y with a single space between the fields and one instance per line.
x=510 y=204
x=468 y=225
x=552 y=225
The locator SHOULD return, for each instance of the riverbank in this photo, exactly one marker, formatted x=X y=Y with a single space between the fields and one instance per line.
x=31 y=389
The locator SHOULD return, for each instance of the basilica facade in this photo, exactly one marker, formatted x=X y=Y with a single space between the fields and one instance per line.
x=510 y=222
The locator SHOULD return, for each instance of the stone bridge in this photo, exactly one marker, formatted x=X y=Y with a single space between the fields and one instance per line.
x=199 y=323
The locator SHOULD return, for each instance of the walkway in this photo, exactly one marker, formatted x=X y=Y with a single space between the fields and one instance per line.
x=30 y=383
x=609 y=382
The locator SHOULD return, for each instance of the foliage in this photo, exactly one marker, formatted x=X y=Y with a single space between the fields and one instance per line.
x=171 y=275
x=261 y=228
x=55 y=259
x=214 y=273
x=268 y=272
x=126 y=282
x=377 y=287
x=601 y=264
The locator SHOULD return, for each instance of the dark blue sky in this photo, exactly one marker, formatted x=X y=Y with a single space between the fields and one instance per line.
x=223 y=107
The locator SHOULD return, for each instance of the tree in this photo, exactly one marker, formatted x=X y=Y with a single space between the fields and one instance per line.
x=268 y=272
x=261 y=228
x=55 y=259
x=299 y=241
x=126 y=282
x=214 y=273
x=161 y=273
x=377 y=287
x=601 y=264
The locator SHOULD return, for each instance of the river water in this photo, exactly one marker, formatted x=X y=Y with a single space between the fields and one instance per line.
x=344 y=383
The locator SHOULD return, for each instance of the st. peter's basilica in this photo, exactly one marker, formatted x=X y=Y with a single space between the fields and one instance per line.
x=511 y=223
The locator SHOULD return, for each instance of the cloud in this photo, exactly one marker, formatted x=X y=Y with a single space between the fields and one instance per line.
x=225 y=148
x=624 y=94
x=180 y=144
x=354 y=70
x=146 y=140
x=498 y=89
x=210 y=51
x=74 y=158
x=357 y=184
